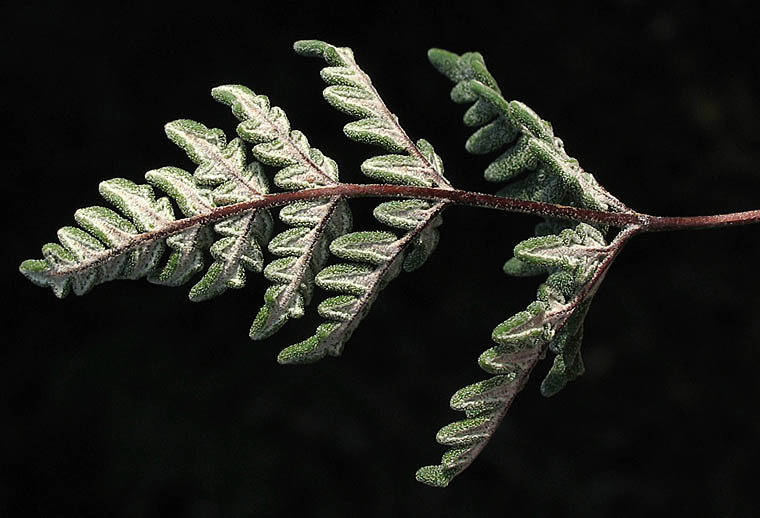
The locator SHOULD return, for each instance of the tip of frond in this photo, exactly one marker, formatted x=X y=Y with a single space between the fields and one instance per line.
x=311 y=48
x=302 y=352
x=31 y=266
x=37 y=271
x=321 y=49
x=435 y=476
x=226 y=93
x=264 y=325
x=445 y=62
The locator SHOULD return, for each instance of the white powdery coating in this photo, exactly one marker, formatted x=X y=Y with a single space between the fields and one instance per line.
x=351 y=91
x=224 y=166
x=275 y=144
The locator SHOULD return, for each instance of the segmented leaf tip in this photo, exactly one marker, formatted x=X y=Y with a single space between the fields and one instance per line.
x=317 y=49
x=436 y=476
x=309 y=47
x=444 y=62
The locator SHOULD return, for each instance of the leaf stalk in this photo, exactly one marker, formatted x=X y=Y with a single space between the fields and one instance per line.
x=646 y=222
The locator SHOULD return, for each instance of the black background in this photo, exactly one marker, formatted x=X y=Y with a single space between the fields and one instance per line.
x=132 y=401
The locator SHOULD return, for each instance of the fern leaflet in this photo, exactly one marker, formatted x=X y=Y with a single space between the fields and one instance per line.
x=302 y=248
x=376 y=257
x=538 y=169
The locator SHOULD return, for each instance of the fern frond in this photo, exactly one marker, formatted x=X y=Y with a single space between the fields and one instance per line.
x=224 y=166
x=109 y=246
x=303 y=248
x=535 y=161
x=225 y=201
x=351 y=91
x=538 y=169
x=576 y=261
x=376 y=257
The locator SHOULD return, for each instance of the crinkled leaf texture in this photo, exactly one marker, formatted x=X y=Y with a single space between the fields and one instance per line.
x=144 y=238
x=534 y=163
x=554 y=321
x=374 y=257
x=130 y=244
x=302 y=249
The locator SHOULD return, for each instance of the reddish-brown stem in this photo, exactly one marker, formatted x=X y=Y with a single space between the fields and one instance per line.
x=642 y=222
x=647 y=222
x=589 y=290
x=665 y=223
